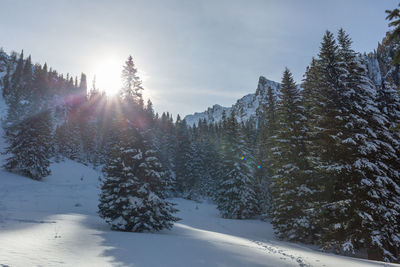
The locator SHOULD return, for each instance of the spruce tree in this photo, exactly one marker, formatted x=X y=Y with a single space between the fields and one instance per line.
x=323 y=98
x=384 y=194
x=30 y=146
x=194 y=169
x=120 y=183
x=183 y=156
x=209 y=159
x=132 y=84
x=68 y=140
x=235 y=195
x=346 y=153
x=134 y=189
x=18 y=96
x=165 y=136
x=6 y=82
x=394 y=36
x=267 y=126
x=82 y=84
x=351 y=221
x=289 y=187
x=132 y=197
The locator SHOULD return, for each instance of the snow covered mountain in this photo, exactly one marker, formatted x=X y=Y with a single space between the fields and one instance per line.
x=245 y=108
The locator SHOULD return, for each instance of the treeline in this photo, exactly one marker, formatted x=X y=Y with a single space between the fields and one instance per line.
x=33 y=94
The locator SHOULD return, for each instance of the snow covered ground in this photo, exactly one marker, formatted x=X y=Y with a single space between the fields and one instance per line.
x=54 y=223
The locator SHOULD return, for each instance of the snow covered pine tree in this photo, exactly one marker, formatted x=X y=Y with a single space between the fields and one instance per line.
x=30 y=146
x=235 y=196
x=133 y=192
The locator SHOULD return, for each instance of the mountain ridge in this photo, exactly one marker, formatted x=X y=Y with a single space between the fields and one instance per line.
x=245 y=108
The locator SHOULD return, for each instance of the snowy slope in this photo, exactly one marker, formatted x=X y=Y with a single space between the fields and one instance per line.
x=245 y=108
x=54 y=223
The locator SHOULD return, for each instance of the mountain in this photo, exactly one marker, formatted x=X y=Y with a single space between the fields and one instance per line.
x=379 y=67
x=245 y=108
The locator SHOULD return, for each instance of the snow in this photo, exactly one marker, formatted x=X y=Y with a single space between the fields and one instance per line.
x=55 y=222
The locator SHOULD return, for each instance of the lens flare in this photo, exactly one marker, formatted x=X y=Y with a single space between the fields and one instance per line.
x=242 y=158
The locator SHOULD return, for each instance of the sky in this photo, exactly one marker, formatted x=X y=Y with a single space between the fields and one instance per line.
x=190 y=54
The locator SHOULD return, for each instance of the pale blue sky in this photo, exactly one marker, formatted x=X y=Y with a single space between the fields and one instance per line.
x=192 y=54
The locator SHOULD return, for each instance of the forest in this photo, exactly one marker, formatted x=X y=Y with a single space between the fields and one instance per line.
x=320 y=160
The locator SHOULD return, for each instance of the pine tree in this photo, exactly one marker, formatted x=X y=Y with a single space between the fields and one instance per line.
x=351 y=222
x=394 y=36
x=120 y=183
x=135 y=185
x=132 y=84
x=208 y=159
x=385 y=193
x=132 y=197
x=82 y=84
x=346 y=152
x=183 y=155
x=27 y=80
x=40 y=85
x=165 y=136
x=17 y=74
x=288 y=164
x=17 y=98
x=194 y=172
x=30 y=146
x=68 y=140
x=235 y=195
x=267 y=126
x=322 y=95
x=6 y=82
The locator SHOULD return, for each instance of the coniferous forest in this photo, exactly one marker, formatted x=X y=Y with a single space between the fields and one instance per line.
x=320 y=159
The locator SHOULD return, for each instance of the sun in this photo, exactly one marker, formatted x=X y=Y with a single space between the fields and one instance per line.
x=108 y=74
